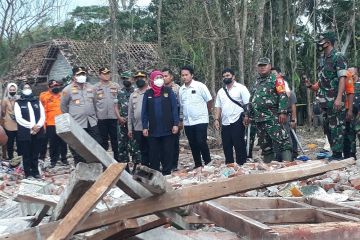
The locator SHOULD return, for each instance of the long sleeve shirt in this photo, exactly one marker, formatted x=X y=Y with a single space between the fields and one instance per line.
x=31 y=123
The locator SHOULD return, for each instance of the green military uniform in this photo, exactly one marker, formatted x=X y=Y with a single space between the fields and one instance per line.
x=126 y=145
x=332 y=68
x=264 y=107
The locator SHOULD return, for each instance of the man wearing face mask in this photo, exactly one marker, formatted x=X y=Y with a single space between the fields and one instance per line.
x=160 y=120
x=105 y=95
x=330 y=90
x=126 y=145
x=267 y=109
x=78 y=99
x=135 y=127
x=10 y=125
x=51 y=102
x=229 y=105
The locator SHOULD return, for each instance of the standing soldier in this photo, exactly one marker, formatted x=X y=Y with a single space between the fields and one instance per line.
x=135 y=128
x=330 y=89
x=105 y=94
x=268 y=111
x=51 y=103
x=78 y=99
x=169 y=82
x=126 y=144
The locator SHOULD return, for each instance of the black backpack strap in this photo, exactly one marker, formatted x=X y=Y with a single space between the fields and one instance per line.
x=233 y=100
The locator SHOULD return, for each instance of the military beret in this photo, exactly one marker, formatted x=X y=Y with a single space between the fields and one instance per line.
x=331 y=36
x=126 y=74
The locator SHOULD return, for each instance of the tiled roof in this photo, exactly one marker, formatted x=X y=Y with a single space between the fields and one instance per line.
x=34 y=63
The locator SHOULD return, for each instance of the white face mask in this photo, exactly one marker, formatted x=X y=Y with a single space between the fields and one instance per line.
x=26 y=92
x=81 y=79
x=159 y=82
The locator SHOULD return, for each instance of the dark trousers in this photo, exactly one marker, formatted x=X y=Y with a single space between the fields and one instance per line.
x=176 y=150
x=109 y=128
x=197 y=136
x=161 y=149
x=232 y=136
x=94 y=133
x=10 y=143
x=30 y=154
x=57 y=146
x=142 y=142
x=43 y=142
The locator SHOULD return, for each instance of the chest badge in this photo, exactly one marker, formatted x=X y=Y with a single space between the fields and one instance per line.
x=77 y=101
x=166 y=95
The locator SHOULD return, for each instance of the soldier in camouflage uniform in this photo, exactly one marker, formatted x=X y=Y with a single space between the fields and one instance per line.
x=126 y=145
x=356 y=104
x=330 y=89
x=268 y=110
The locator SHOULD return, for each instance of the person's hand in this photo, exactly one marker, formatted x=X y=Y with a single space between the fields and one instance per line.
x=337 y=104
x=130 y=134
x=282 y=118
x=293 y=124
x=246 y=121
x=122 y=120
x=217 y=125
x=181 y=126
x=146 y=132
x=349 y=116
x=175 y=129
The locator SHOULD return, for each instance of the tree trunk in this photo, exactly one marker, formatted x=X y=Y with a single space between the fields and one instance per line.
x=238 y=41
x=114 y=40
x=349 y=33
x=281 y=35
x=158 y=24
x=259 y=23
x=271 y=34
x=354 y=33
x=242 y=45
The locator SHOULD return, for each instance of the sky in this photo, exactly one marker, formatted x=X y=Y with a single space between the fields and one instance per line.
x=74 y=3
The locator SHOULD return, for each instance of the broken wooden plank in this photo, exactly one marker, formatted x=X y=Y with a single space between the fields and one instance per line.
x=87 y=202
x=143 y=228
x=232 y=221
x=40 y=215
x=191 y=195
x=108 y=231
x=330 y=230
x=81 y=179
x=70 y=131
x=28 y=197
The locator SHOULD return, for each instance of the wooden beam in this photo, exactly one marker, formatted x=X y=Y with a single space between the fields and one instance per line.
x=193 y=194
x=107 y=231
x=232 y=221
x=87 y=202
x=80 y=181
x=28 y=197
x=281 y=216
x=70 y=131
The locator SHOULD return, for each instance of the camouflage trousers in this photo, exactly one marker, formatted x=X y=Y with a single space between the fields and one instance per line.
x=273 y=138
x=349 y=149
x=334 y=128
x=127 y=146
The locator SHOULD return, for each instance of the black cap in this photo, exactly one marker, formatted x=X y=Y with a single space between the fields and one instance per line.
x=78 y=70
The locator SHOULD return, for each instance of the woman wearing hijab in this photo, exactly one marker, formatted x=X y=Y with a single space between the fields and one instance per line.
x=10 y=124
x=160 y=121
x=30 y=116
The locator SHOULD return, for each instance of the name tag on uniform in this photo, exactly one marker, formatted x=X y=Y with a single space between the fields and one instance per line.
x=193 y=91
x=113 y=90
x=100 y=95
x=74 y=90
x=89 y=90
x=149 y=96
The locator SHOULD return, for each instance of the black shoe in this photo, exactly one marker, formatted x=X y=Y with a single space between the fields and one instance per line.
x=37 y=176
x=65 y=162
x=52 y=165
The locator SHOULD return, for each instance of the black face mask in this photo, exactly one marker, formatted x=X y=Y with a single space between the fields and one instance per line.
x=227 y=81
x=127 y=83
x=12 y=93
x=140 y=83
x=56 y=89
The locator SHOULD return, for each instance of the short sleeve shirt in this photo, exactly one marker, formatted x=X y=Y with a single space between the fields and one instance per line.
x=193 y=101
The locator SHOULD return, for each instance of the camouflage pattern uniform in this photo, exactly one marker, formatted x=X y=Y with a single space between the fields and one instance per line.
x=264 y=107
x=126 y=145
x=332 y=67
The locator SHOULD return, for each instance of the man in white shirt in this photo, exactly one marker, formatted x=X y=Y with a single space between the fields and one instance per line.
x=231 y=113
x=195 y=104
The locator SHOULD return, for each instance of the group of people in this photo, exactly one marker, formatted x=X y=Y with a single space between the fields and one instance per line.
x=143 y=119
